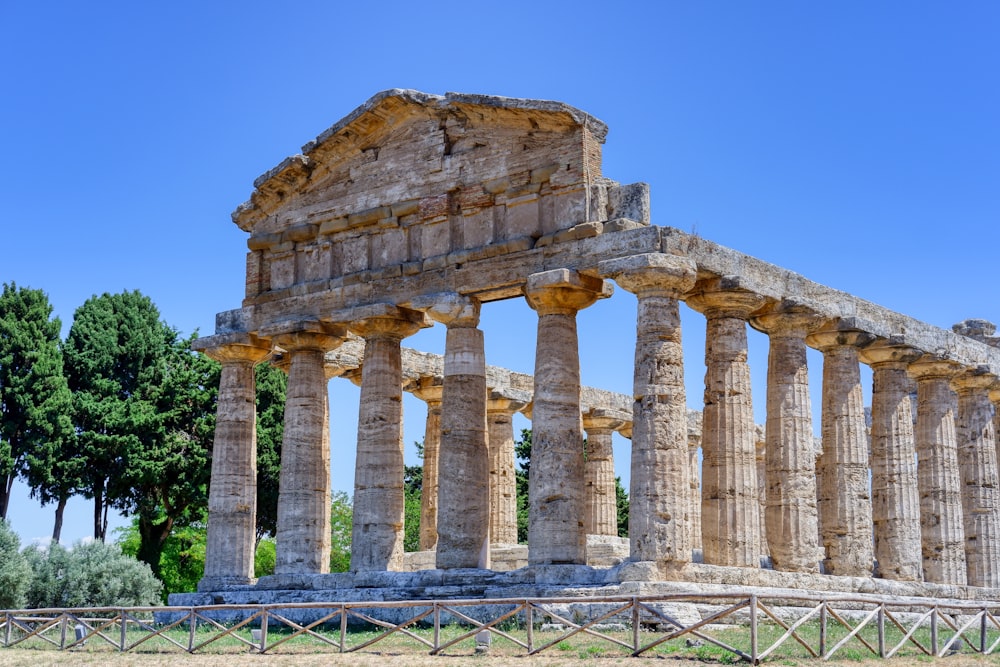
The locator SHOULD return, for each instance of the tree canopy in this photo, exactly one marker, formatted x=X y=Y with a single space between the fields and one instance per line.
x=144 y=410
x=35 y=402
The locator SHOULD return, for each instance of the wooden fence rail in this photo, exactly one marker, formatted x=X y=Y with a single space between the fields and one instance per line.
x=751 y=628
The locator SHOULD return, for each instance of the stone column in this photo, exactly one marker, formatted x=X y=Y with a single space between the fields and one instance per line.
x=303 y=535
x=464 y=483
x=977 y=461
x=555 y=488
x=938 y=480
x=377 y=531
x=791 y=515
x=730 y=513
x=895 y=501
x=760 y=445
x=232 y=498
x=694 y=444
x=601 y=503
x=503 y=482
x=845 y=507
x=659 y=504
x=429 y=390
x=995 y=400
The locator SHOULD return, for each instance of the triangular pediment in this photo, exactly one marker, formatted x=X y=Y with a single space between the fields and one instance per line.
x=403 y=145
x=408 y=179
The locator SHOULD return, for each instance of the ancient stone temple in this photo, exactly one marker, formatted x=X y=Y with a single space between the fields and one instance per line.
x=419 y=210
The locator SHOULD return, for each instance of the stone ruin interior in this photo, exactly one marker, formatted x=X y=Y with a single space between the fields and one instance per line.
x=418 y=209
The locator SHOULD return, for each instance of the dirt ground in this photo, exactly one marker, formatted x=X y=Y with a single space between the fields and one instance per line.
x=38 y=658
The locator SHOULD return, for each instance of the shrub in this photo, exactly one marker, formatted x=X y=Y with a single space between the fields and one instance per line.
x=91 y=574
x=15 y=574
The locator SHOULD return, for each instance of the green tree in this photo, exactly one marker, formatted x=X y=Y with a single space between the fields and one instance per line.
x=522 y=452
x=341 y=517
x=264 y=557
x=145 y=413
x=35 y=401
x=182 y=560
x=271 y=385
x=91 y=574
x=167 y=476
x=15 y=573
x=413 y=483
x=621 y=503
x=113 y=355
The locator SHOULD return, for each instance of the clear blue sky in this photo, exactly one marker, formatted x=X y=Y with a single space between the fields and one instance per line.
x=856 y=143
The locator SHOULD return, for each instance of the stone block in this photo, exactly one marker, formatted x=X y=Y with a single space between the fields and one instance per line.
x=388 y=248
x=477 y=228
x=405 y=208
x=369 y=216
x=354 y=256
x=522 y=216
x=569 y=207
x=282 y=270
x=335 y=225
x=622 y=225
x=630 y=201
x=435 y=239
x=316 y=262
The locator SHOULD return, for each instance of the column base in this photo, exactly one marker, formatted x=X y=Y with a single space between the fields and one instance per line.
x=225 y=583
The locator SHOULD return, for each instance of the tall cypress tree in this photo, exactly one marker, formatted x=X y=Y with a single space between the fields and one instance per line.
x=35 y=401
x=114 y=355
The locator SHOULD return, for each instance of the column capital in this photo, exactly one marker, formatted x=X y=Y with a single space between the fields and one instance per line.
x=603 y=419
x=789 y=318
x=383 y=320
x=652 y=274
x=890 y=352
x=429 y=389
x=564 y=291
x=233 y=348
x=722 y=297
x=305 y=335
x=498 y=403
x=625 y=430
x=449 y=308
x=974 y=380
x=829 y=339
x=930 y=367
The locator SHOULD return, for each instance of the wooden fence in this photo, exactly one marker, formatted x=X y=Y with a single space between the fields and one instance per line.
x=749 y=628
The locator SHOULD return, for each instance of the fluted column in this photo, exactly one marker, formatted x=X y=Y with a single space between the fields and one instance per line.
x=377 y=531
x=845 y=508
x=938 y=479
x=730 y=514
x=895 y=501
x=694 y=444
x=977 y=462
x=791 y=514
x=555 y=487
x=429 y=390
x=232 y=498
x=503 y=481
x=303 y=534
x=464 y=484
x=760 y=445
x=601 y=506
x=659 y=502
